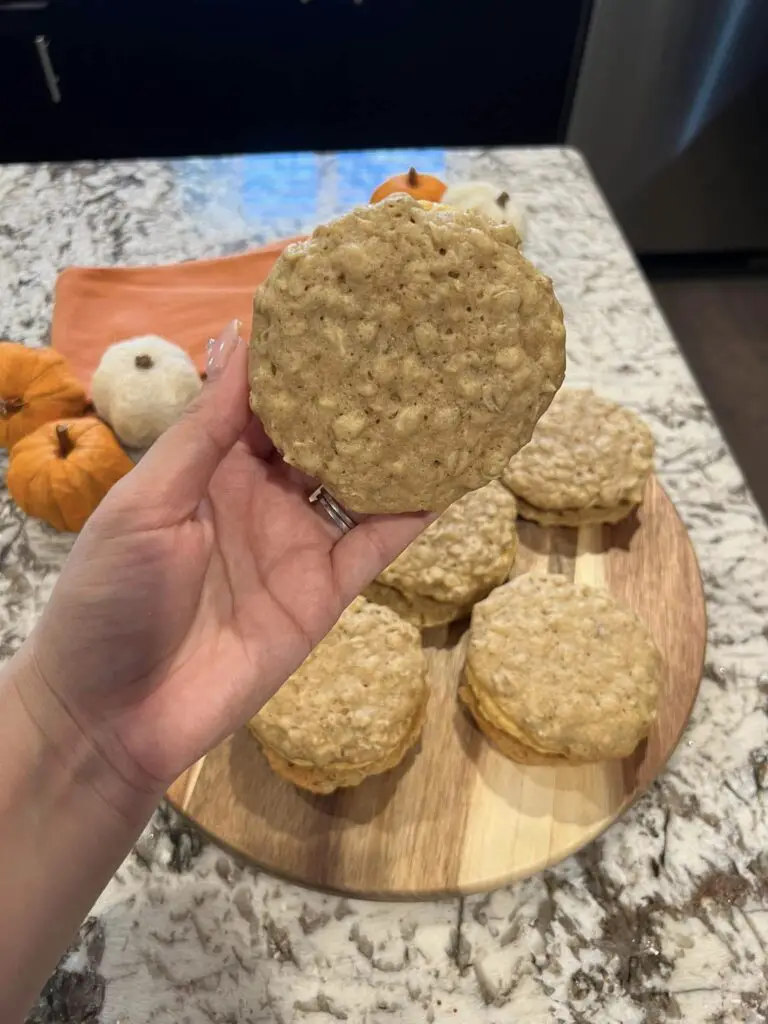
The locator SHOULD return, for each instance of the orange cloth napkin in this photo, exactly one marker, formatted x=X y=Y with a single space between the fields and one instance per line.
x=186 y=303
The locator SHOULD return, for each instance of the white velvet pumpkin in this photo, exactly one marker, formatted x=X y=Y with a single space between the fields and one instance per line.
x=488 y=199
x=142 y=386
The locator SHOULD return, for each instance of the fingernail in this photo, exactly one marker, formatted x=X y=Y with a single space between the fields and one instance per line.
x=220 y=349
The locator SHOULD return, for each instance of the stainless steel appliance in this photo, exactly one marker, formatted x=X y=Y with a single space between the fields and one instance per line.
x=671 y=110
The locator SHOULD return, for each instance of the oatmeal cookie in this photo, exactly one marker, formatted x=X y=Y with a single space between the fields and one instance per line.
x=588 y=462
x=404 y=353
x=353 y=708
x=563 y=669
x=422 y=612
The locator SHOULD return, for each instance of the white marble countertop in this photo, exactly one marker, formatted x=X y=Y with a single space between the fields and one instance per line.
x=665 y=917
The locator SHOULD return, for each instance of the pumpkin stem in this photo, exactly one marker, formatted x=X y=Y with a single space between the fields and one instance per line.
x=412 y=178
x=144 y=362
x=66 y=444
x=502 y=199
x=8 y=406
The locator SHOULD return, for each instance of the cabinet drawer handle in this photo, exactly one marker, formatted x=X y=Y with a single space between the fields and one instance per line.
x=51 y=79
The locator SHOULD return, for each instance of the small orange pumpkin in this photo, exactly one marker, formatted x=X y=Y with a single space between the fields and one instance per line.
x=420 y=186
x=35 y=388
x=62 y=471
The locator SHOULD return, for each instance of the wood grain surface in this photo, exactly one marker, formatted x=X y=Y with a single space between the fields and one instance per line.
x=457 y=816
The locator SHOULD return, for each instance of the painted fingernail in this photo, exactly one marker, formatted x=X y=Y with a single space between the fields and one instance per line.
x=220 y=349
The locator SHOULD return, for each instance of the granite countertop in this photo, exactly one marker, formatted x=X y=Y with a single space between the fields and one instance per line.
x=665 y=917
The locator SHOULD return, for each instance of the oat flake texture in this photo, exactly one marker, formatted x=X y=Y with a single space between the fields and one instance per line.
x=422 y=612
x=588 y=462
x=404 y=353
x=563 y=668
x=358 y=699
x=464 y=554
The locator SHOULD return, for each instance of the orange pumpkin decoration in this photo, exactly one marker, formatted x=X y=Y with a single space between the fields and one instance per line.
x=62 y=471
x=420 y=186
x=35 y=388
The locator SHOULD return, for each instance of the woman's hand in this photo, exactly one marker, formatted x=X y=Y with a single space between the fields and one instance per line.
x=195 y=590
x=197 y=587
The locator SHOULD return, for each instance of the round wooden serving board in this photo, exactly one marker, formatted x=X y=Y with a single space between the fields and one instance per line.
x=456 y=816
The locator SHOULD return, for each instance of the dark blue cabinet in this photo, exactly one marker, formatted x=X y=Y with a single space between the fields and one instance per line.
x=217 y=76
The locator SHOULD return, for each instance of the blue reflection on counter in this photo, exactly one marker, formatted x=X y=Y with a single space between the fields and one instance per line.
x=280 y=186
x=293 y=191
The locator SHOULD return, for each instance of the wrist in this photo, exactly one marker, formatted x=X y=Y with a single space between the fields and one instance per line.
x=66 y=821
x=63 y=758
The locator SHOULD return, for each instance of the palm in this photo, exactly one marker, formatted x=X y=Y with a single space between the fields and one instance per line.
x=184 y=612
x=257 y=591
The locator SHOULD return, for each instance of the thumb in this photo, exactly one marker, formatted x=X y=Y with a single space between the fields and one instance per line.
x=175 y=473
